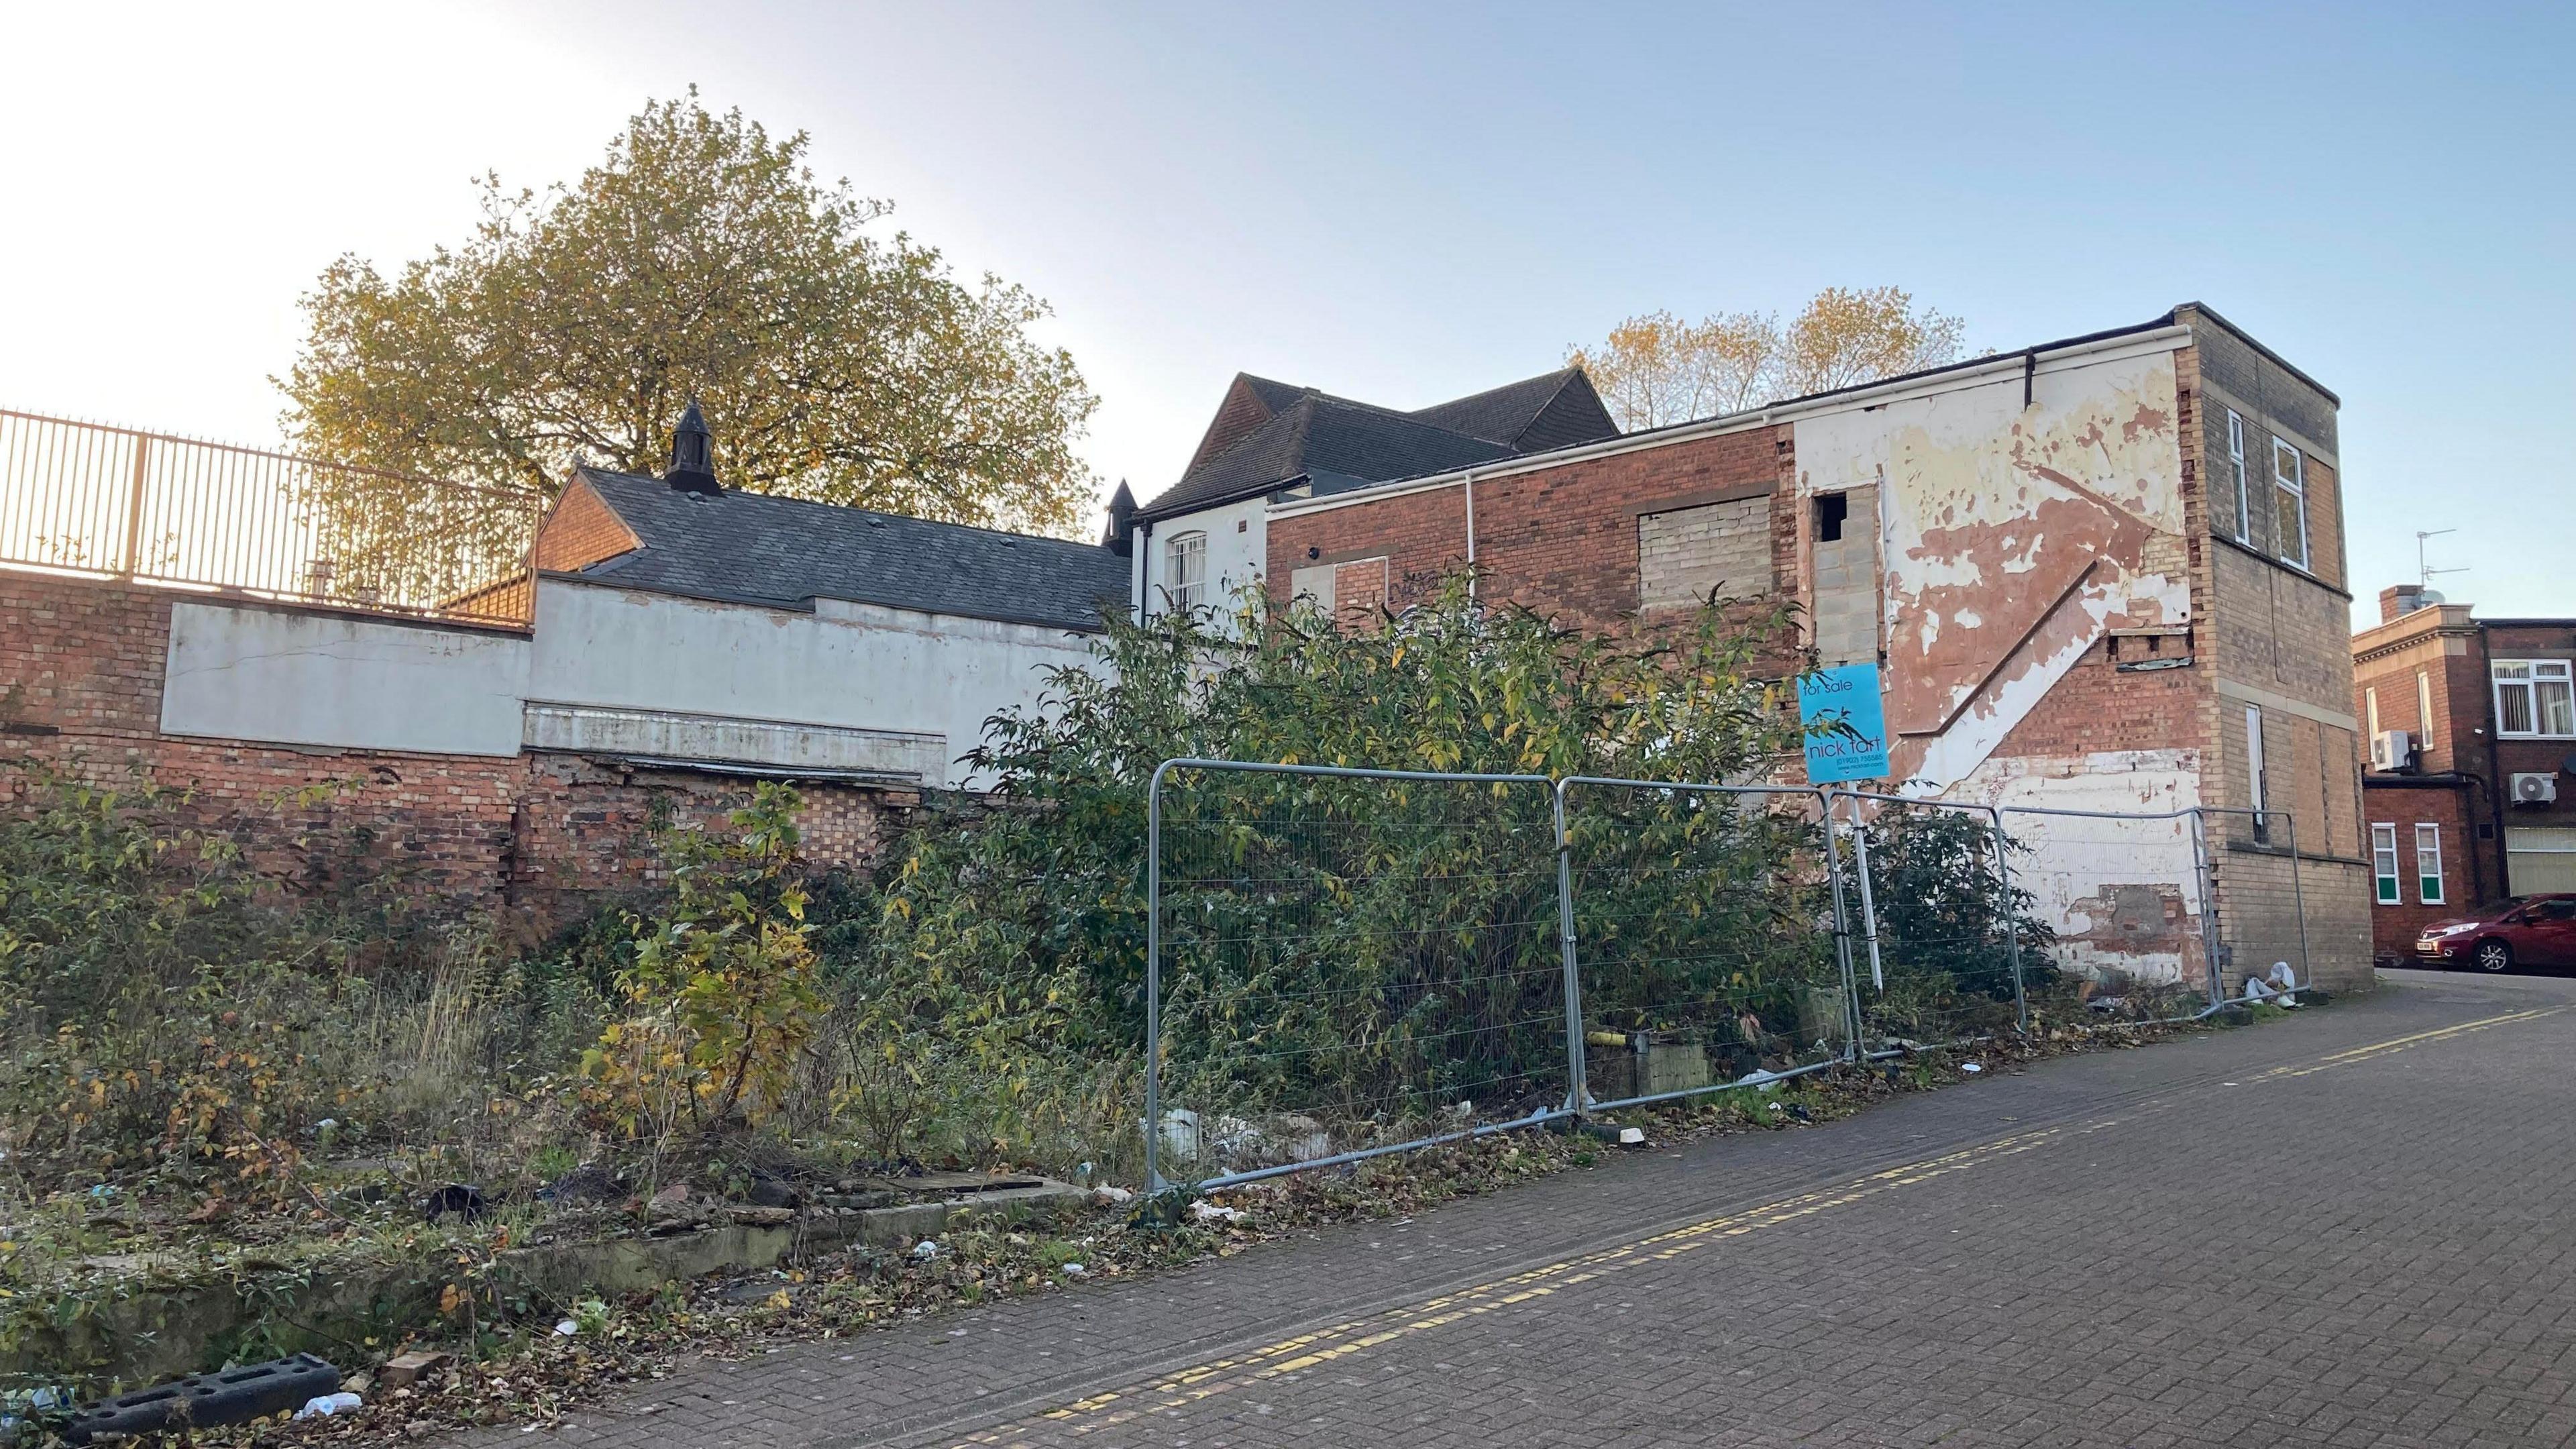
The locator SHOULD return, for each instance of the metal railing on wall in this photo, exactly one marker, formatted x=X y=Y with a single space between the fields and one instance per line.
x=1345 y=963
x=90 y=499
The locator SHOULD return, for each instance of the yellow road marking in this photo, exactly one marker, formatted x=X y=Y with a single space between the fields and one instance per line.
x=1310 y=1350
x=2404 y=1043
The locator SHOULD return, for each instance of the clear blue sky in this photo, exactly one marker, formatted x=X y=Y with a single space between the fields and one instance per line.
x=1406 y=203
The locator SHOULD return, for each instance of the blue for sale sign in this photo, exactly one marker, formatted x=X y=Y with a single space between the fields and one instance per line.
x=1852 y=745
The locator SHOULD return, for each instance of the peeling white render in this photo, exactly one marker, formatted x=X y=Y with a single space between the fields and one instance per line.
x=2125 y=896
x=2035 y=530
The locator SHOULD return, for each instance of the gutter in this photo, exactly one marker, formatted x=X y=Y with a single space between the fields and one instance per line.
x=2149 y=339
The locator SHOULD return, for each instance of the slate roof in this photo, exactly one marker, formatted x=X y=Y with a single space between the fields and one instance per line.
x=751 y=548
x=1336 y=443
x=1529 y=416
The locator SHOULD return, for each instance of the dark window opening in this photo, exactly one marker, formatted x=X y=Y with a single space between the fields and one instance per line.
x=1831 y=510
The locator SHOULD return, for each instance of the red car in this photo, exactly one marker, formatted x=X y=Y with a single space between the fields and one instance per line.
x=2533 y=931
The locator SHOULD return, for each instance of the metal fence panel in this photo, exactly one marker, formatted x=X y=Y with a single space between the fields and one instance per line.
x=1707 y=933
x=1343 y=963
x=2126 y=900
x=1944 y=926
x=88 y=499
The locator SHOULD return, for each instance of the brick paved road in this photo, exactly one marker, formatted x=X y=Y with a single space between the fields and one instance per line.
x=2350 y=1228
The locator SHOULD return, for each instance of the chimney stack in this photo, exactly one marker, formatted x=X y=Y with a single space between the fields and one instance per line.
x=2399 y=600
x=693 y=455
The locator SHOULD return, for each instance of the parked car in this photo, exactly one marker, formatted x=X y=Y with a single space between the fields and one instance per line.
x=2535 y=931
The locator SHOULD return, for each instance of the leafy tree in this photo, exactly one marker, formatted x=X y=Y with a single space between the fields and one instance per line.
x=700 y=258
x=1656 y=368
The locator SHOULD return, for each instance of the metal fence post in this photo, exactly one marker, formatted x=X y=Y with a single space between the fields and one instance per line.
x=1842 y=929
x=1575 y=1092
x=1154 y=980
x=2299 y=906
x=132 y=558
x=2012 y=931
x=2205 y=866
x=1868 y=905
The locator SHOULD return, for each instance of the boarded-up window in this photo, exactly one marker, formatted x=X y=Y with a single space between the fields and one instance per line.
x=1686 y=553
x=1313 y=582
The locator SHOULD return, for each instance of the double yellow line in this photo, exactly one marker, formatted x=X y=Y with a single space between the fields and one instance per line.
x=1290 y=1356
x=1312 y=1350
x=2405 y=1043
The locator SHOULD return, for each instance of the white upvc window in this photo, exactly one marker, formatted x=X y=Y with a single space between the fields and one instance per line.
x=2428 y=864
x=2370 y=707
x=2290 y=501
x=2383 y=865
x=2423 y=706
x=2236 y=464
x=1185 y=570
x=2534 y=698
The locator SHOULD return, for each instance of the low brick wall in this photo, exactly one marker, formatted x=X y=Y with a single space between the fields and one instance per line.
x=81 y=669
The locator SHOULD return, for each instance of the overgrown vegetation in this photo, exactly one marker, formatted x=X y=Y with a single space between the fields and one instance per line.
x=192 y=1052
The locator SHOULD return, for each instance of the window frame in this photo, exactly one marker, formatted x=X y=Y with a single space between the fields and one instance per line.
x=2385 y=890
x=2293 y=485
x=2423 y=706
x=2370 y=708
x=2244 y=493
x=1185 y=595
x=2561 y=672
x=2428 y=839
x=2255 y=783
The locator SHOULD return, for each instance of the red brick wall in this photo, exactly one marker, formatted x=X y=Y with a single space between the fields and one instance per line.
x=2393 y=928
x=1560 y=540
x=580 y=530
x=80 y=692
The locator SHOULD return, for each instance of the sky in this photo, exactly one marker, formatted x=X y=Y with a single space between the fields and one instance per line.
x=1404 y=203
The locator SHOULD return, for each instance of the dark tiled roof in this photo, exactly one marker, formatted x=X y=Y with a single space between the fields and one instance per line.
x=1321 y=434
x=750 y=548
x=1529 y=416
x=1338 y=442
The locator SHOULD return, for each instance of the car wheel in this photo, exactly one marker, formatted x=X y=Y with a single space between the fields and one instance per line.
x=2493 y=956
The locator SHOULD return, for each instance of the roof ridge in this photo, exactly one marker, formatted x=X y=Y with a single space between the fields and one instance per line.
x=846 y=508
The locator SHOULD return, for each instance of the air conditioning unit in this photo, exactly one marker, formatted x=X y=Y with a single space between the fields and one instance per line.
x=2392 y=752
x=2535 y=789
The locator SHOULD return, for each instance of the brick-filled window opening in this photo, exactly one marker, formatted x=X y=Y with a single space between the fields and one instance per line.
x=2534 y=698
x=2290 y=497
x=2383 y=865
x=1831 y=510
x=2236 y=464
x=2428 y=864
x=1185 y=570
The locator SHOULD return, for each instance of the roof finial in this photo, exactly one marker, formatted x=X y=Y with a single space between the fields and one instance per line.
x=693 y=455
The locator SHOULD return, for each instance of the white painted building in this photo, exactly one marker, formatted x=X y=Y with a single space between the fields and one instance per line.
x=680 y=625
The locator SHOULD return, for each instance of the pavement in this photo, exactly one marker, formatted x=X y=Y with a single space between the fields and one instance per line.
x=2351 y=1227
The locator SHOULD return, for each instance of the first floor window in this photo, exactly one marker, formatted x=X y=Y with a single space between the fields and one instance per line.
x=2290 y=498
x=1185 y=570
x=2236 y=465
x=2534 y=697
x=2428 y=864
x=2370 y=707
x=2383 y=864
